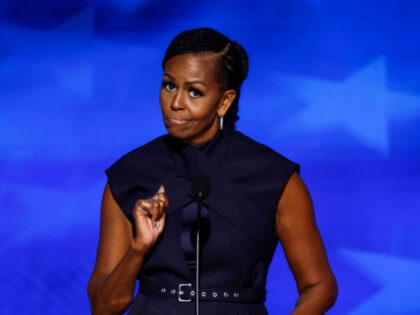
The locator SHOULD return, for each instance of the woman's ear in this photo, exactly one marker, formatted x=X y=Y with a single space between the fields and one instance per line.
x=226 y=101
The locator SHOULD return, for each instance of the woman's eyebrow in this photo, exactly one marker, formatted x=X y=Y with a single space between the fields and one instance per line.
x=169 y=76
x=197 y=81
x=189 y=82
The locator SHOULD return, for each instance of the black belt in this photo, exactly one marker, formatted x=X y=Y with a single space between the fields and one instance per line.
x=185 y=292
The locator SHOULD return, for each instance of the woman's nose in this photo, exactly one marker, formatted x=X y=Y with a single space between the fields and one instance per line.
x=177 y=101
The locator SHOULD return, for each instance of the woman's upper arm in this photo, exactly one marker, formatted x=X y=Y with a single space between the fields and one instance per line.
x=299 y=236
x=114 y=238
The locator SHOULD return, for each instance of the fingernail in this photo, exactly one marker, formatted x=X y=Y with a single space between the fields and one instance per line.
x=146 y=203
x=161 y=189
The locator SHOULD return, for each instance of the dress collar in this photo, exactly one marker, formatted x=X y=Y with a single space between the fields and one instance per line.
x=185 y=157
x=226 y=197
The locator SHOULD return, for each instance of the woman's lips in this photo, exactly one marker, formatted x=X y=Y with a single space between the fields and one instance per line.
x=177 y=121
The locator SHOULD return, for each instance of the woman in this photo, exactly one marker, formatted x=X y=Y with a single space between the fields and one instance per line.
x=148 y=215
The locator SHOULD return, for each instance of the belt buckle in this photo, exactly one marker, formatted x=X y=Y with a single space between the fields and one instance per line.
x=180 y=292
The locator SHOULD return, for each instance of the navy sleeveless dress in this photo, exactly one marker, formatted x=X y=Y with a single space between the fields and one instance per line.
x=247 y=180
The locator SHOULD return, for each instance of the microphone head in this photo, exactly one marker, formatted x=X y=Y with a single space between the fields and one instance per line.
x=200 y=186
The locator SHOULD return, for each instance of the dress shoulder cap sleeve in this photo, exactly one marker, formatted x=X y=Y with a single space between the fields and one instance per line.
x=135 y=175
x=258 y=167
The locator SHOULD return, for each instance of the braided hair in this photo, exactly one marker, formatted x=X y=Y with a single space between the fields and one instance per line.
x=233 y=60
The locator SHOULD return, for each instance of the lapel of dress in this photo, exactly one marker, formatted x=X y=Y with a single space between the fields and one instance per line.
x=226 y=198
x=188 y=161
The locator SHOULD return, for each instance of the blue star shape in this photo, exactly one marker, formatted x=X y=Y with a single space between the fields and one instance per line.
x=399 y=278
x=361 y=106
x=44 y=55
x=63 y=76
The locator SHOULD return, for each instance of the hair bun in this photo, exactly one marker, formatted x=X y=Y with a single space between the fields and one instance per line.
x=240 y=55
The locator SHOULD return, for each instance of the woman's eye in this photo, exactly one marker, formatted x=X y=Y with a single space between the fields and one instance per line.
x=195 y=93
x=169 y=86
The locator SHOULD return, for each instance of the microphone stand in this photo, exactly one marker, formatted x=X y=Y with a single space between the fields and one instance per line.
x=200 y=187
x=197 y=257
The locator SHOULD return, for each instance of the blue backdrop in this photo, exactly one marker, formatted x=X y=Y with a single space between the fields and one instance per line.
x=333 y=85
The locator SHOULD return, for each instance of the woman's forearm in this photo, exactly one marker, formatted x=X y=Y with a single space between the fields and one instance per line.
x=316 y=299
x=113 y=293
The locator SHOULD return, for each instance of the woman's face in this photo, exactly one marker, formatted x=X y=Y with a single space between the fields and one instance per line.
x=191 y=98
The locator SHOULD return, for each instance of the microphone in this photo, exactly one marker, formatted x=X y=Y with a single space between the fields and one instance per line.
x=200 y=187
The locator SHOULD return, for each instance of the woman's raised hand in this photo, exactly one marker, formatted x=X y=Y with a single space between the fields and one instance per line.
x=149 y=217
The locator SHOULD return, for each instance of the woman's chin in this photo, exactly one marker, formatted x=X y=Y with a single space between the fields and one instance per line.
x=189 y=134
x=179 y=133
